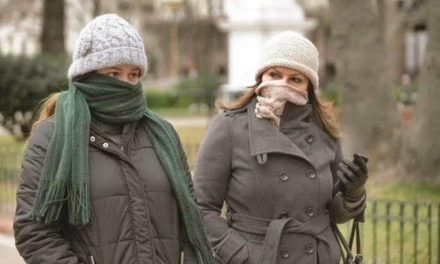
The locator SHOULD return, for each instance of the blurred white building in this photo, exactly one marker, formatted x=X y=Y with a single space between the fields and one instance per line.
x=249 y=24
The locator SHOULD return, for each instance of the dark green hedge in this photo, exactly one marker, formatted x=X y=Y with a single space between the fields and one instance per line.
x=200 y=89
x=25 y=81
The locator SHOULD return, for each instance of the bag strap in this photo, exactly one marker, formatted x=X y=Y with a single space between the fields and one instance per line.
x=349 y=258
x=355 y=230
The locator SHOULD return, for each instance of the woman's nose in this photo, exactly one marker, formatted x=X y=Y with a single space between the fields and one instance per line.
x=124 y=78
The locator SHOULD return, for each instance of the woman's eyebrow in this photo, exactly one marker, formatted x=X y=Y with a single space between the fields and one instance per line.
x=277 y=71
x=296 y=74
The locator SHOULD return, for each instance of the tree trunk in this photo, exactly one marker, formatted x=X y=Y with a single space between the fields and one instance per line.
x=370 y=121
x=421 y=152
x=96 y=8
x=52 y=36
x=394 y=34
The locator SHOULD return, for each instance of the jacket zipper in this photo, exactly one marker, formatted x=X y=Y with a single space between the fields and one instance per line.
x=83 y=245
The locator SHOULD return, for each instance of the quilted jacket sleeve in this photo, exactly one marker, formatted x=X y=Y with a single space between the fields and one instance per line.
x=37 y=242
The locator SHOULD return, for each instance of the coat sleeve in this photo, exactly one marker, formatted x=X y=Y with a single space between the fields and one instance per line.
x=339 y=211
x=189 y=256
x=211 y=178
x=37 y=242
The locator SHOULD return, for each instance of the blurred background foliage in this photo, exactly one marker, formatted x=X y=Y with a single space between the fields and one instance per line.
x=196 y=92
x=378 y=64
x=24 y=82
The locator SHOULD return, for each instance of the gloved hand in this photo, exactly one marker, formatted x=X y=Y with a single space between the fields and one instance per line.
x=354 y=175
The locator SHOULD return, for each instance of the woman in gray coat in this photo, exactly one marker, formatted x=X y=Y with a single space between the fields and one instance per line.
x=273 y=157
x=104 y=180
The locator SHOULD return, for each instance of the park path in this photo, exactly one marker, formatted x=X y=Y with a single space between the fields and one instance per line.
x=8 y=252
x=188 y=121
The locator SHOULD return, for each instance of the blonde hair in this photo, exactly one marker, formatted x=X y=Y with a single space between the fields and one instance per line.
x=322 y=108
x=45 y=111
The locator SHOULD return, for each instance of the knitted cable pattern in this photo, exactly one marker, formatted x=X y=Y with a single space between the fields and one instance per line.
x=105 y=42
x=291 y=50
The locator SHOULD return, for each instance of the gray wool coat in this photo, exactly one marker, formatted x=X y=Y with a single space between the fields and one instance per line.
x=277 y=185
x=134 y=213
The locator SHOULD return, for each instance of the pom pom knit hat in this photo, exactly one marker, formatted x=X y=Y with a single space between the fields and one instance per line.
x=105 y=42
x=291 y=50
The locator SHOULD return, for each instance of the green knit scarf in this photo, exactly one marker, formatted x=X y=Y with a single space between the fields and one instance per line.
x=65 y=175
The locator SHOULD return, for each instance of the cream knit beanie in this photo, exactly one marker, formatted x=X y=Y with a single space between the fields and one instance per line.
x=105 y=42
x=291 y=50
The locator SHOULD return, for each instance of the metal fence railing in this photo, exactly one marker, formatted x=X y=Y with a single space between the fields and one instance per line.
x=10 y=159
x=397 y=232
x=400 y=232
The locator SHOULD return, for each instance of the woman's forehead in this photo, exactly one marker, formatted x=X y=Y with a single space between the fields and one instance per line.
x=285 y=70
x=127 y=67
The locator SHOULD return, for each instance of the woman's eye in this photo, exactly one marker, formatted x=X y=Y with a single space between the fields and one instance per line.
x=134 y=75
x=273 y=74
x=112 y=74
x=296 y=80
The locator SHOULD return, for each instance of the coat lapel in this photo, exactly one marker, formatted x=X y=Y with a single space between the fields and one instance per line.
x=265 y=138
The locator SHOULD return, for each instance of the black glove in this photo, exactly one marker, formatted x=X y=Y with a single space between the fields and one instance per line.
x=353 y=175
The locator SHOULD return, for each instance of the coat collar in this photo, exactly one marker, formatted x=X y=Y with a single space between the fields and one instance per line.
x=265 y=138
x=101 y=137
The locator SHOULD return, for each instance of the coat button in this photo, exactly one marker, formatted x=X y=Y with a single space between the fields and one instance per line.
x=284 y=176
x=285 y=254
x=310 y=249
x=311 y=174
x=92 y=138
x=284 y=215
x=309 y=118
x=309 y=139
x=105 y=145
x=310 y=212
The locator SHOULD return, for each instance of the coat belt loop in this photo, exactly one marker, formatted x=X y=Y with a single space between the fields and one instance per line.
x=262 y=158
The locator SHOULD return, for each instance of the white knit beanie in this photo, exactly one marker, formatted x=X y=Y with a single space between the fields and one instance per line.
x=291 y=50
x=105 y=42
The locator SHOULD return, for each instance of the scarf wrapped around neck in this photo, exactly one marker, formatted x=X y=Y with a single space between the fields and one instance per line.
x=65 y=176
x=272 y=97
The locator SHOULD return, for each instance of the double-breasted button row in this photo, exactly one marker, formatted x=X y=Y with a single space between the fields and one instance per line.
x=284 y=215
x=310 y=249
x=311 y=174
x=310 y=212
x=284 y=176
x=285 y=253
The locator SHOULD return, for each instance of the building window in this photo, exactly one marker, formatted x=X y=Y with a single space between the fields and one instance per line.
x=415 y=46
